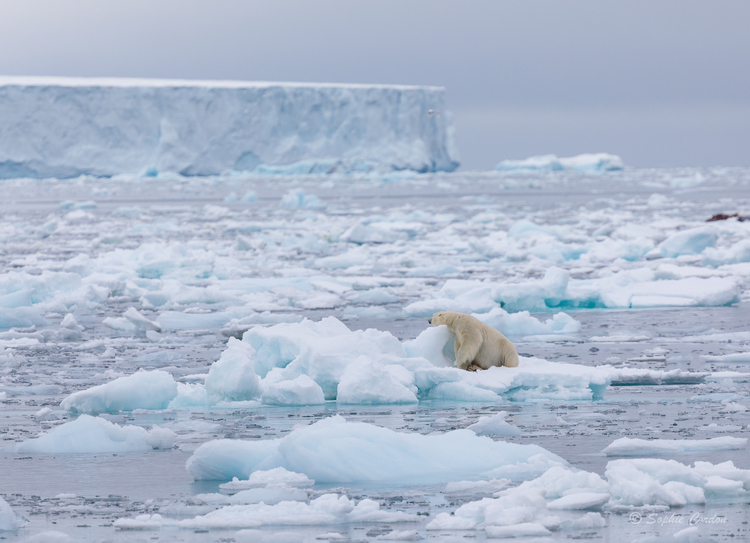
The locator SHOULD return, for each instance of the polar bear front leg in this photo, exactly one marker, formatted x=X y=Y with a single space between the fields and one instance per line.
x=467 y=346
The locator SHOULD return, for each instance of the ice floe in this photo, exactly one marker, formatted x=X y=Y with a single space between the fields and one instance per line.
x=626 y=446
x=89 y=434
x=336 y=451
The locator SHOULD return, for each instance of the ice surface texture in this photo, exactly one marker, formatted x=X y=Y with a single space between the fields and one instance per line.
x=105 y=127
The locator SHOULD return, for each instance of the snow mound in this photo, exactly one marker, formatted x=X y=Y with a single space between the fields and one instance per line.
x=104 y=127
x=626 y=446
x=89 y=434
x=336 y=451
x=586 y=163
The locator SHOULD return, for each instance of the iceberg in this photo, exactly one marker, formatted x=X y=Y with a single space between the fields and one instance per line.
x=110 y=126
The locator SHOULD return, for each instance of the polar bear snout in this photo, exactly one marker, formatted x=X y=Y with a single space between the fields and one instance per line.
x=429 y=321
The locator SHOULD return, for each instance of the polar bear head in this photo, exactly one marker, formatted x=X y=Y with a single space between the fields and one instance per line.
x=444 y=317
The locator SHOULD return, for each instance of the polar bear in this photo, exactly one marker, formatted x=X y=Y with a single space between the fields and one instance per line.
x=478 y=346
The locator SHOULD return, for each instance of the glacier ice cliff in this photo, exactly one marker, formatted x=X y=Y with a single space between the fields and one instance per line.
x=66 y=127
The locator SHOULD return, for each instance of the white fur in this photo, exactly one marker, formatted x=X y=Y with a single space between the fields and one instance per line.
x=477 y=345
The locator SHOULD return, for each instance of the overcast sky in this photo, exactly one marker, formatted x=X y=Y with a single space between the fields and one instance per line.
x=661 y=83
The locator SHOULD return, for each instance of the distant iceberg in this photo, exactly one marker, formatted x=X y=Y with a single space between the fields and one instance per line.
x=104 y=127
x=585 y=163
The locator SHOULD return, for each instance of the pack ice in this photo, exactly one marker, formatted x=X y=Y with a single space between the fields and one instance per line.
x=106 y=127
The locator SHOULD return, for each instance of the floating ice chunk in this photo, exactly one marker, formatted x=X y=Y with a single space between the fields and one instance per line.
x=400 y=535
x=233 y=376
x=366 y=381
x=626 y=446
x=559 y=481
x=139 y=321
x=270 y=495
x=736 y=253
x=522 y=324
x=593 y=162
x=299 y=391
x=619 y=338
x=275 y=476
x=45 y=413
x=647 y=481
x=643 y=376
x=69 y=322
x=533 y=294
x=524 y=529
x=689 y=242
x=49 y=536
x=654 y=482
x=296 y=198
x=119 y=323
x=335 y=451
x=72 y=204
x=10 y=521
x=89 y=434
x=494 y=425
x=361 y=233
x=328 y=509
x=588 y=162
x=142 y=390
x=250 y=196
